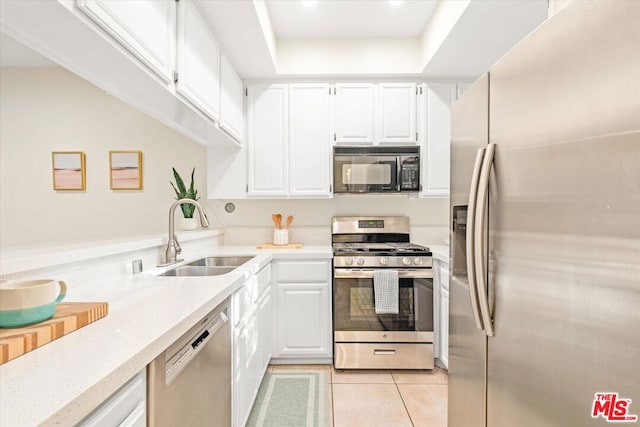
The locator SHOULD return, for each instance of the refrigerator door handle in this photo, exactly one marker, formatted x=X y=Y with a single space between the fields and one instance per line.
x=479 y=239
x=471 y=215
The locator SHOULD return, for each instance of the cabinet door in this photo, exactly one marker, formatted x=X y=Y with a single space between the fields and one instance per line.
x=354 y=113
x=309 y=140
x=304 y=319
x=268 y=140
x=245 y=381
x=396 y=118
x=230 y=100
x=444 y=329
x=198 y=62
x=436 y=309
x=146 y=28
x=126 y=407
x=436 y=149
x=265 y=332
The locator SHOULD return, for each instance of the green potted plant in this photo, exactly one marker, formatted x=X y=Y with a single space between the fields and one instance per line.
x=182 y=192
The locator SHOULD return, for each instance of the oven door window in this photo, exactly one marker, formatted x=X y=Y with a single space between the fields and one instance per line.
x=354 y=306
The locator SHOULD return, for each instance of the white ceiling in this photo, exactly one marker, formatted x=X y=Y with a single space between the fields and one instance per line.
x=362 y=38
x=292 y=19
x=354 y=38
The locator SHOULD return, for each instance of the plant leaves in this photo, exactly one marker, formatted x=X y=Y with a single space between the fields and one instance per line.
x=176 y=190
x=182 y=193
x=191 y=189
x=179 y=183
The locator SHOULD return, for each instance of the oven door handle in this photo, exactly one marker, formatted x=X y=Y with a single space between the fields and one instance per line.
x=352 y=273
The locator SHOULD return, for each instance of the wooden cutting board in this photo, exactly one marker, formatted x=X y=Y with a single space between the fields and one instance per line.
x=70 y=316
x=272 y=246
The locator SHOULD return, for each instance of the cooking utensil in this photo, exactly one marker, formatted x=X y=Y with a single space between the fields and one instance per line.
x=276 y=221
x=289 y=221
x=279 y=221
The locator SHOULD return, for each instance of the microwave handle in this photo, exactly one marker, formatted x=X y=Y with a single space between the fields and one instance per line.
x=398 y=174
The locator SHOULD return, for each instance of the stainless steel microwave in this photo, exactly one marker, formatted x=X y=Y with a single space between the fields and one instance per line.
x=376 y=169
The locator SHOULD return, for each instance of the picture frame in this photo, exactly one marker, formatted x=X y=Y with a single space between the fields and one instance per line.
x=125 y=170
x=69 y=172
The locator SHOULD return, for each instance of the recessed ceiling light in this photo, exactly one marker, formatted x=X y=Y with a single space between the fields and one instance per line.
x=396 y=2
x=309 y=3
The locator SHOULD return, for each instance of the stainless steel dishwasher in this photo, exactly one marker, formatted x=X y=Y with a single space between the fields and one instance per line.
x=190 y=383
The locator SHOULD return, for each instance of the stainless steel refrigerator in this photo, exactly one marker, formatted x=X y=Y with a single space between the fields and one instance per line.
x=545 y=227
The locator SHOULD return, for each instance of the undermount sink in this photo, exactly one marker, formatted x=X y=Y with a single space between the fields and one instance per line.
x=209 y=266
x=221 y=261
x=187 y=270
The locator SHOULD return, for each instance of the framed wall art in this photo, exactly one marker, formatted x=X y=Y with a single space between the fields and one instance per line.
x=68 y=170
x=125 y=170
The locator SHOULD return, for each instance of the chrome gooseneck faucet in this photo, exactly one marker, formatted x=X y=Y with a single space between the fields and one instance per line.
x=173 y=247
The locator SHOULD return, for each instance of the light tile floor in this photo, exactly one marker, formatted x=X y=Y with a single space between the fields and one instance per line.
x=384 y=398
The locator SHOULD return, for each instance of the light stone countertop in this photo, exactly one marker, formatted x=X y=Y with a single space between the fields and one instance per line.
x=61 y=382
x=440 y=252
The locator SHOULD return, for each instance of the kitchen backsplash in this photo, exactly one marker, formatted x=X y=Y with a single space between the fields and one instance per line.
x=100 y=262
x=425 y=235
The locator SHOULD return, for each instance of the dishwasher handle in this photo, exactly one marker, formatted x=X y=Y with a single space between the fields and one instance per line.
x=181 y=359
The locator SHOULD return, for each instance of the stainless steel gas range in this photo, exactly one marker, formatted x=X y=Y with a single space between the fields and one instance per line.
x=364 y=339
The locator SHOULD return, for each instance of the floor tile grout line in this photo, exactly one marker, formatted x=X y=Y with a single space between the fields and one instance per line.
x=404 y=404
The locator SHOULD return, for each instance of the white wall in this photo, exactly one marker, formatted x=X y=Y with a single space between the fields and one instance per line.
x=349 y=56
x=49 y=109
x=251 y=223
x=318 y=212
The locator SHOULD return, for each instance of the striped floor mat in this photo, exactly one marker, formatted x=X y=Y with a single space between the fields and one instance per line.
x=291 y=399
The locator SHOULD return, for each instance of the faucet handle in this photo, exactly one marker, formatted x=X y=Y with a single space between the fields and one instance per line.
x=177 y=245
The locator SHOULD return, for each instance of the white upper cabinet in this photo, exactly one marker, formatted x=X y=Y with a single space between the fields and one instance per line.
x=396 y=113
x=230 y=100
x=309 y=140
x=268 y=140
x=289 y=146
x=436 y=144
x=151 y=38
x=354 y=113
x=198 y=63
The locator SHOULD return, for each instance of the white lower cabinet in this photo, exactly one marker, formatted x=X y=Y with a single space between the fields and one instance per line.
x=251 y=318
x=441 y=295
x=127 y=407
x=303 y=316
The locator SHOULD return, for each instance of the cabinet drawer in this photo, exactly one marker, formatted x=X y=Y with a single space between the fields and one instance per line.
x=244 y=299
x=303 y=271
x=264 y=278
x=123 y=407
x=383 y=356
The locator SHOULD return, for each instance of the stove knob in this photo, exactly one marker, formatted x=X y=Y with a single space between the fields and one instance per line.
x=348 y=261
x=406 y=261
x=418 y=261
x=384 y=261
x=360 y=261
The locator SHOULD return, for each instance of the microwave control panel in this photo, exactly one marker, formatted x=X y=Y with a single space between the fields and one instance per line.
x=410 y=178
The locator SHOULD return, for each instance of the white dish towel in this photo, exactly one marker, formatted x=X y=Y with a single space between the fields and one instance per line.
x=386 y=290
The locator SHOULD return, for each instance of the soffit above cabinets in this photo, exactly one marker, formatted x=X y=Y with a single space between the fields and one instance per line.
x=355 y=38
x=15 y=54
x=360 y=38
